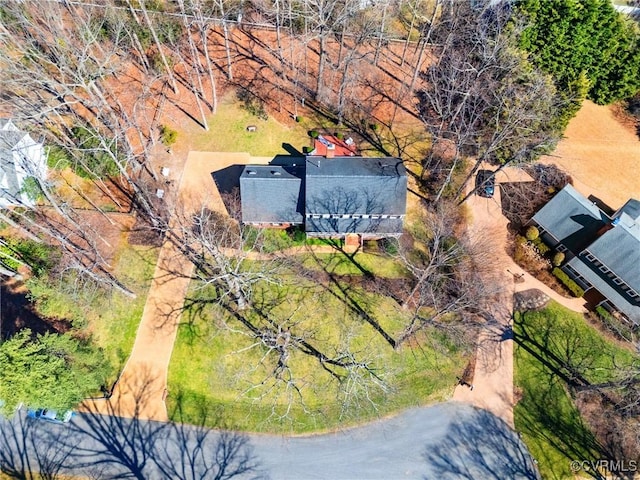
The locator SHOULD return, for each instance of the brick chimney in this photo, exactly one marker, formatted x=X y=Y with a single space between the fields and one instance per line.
x=331 y=151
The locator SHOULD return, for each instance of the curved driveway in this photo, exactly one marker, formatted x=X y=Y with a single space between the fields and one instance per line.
x=445 y=441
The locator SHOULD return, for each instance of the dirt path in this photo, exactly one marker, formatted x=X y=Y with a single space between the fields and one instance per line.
x=601 y=154
x=493 y=376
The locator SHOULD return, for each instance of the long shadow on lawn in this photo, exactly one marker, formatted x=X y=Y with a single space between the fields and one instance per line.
x=345 y=295
x=546 y=412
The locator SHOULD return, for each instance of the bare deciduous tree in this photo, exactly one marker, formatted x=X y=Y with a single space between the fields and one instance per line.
x=454 y=282
x=481 y=95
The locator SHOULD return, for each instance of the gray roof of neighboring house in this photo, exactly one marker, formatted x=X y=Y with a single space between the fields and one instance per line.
x=631 y=208
x=5 y=123
x=606 y=286
x=619 y=250
x=571 y=218
x=271 y=194
x=355 y=185
x=10 y=188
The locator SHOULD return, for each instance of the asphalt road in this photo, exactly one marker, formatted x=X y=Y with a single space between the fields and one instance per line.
x=445 y=441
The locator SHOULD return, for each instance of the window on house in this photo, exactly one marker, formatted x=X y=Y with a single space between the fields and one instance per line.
x=590 y=257
x=326 y=215
x=603 y=268
x=617 y=281
x=365 y=216
x=597 y=263
x=346 y=215
x=561 y=248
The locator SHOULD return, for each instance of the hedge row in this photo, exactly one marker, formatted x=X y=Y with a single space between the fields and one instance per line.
x=575 y=289
x=604 y=314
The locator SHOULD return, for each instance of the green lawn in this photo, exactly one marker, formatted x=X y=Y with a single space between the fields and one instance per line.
x=110 y=317
x=115 y=318
x=215 y=363
x=227 y=133
x=338 y=264
x=547 y=341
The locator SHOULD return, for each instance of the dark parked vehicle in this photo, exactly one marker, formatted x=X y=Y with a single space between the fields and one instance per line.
x=485 y=183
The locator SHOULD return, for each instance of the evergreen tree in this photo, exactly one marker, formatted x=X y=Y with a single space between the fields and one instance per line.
x=583 y=43
x=52 y=370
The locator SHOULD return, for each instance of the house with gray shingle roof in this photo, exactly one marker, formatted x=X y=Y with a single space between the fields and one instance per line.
x=21 y=157
x=271 y=195
x=603 y=253
x=330 y=197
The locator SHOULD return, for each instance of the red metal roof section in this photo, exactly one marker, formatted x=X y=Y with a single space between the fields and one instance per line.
x=342 y=148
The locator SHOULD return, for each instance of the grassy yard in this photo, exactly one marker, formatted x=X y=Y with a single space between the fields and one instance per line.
x=227 y=133
x=217 y=371
x=339 y=264
x=110 y=317
x=115 y=318
x=546 y=416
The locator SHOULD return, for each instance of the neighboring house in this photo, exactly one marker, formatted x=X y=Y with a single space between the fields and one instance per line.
x=602 y=252
x=20 y=157
x=330 y=197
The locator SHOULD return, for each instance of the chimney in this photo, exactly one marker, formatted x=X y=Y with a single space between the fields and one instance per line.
x=331 y=150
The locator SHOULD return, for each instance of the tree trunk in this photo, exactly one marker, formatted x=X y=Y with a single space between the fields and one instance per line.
x=321 y=63
x=163 y=57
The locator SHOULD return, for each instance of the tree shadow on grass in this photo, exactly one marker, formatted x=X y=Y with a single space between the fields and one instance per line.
x=546 y=413
x=345 y=293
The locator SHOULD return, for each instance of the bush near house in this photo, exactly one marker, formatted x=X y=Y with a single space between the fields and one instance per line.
x=604 y=314
x=532 y=233
x=543 y=248
x=558 y=258
x=573 y=287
